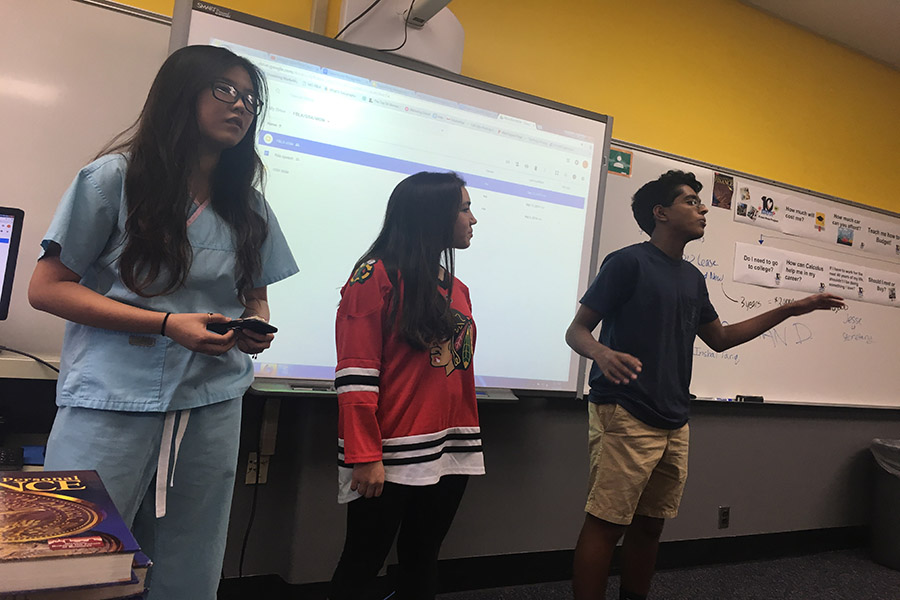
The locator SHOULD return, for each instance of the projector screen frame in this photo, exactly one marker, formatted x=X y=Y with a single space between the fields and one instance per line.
x=264 y=384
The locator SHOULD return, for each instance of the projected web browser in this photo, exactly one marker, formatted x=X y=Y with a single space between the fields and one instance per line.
x=341 y=130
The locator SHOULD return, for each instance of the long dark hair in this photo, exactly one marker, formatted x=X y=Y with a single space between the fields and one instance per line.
x=416 y=238
x=161 y=150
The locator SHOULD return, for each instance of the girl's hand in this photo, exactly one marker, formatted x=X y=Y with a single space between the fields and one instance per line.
x=368 y=479
x=189 y=330
x=251 y=342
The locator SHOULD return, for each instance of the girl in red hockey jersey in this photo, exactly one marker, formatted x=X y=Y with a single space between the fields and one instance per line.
x=408 y=434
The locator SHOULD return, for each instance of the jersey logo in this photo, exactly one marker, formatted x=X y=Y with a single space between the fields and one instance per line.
x=457 y=352
x=363 y=272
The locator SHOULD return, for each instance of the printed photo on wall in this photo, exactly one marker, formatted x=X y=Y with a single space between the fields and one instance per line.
x=620 y=162
x=758 y=204
x=820 y=221
x=744 y=207
x=845 y=236
x=723 y=190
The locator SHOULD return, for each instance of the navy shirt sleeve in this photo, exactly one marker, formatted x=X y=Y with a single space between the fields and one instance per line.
x=613 y=285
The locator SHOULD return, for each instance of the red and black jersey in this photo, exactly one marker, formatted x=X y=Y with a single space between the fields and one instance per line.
x=415 y=410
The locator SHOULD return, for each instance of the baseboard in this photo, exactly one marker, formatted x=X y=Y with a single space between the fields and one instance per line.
x=484 y=572
x=691 y=553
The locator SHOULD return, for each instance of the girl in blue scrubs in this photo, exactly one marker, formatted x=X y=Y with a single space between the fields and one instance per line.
x=153 y=241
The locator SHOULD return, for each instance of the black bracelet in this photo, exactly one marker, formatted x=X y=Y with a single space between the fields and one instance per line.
x=162 y=330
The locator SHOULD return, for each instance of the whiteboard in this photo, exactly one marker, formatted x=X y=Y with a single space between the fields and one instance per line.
x=73 y=75
x=846 y=357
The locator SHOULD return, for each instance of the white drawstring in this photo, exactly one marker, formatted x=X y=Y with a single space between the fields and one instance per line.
x=182 y=425
x=165 y=449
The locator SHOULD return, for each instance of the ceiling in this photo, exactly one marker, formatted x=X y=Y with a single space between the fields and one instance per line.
x=871 y=27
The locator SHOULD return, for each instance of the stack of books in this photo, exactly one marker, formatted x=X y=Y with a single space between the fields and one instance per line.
x=62 y=537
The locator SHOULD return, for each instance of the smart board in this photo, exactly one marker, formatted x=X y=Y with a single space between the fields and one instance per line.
x=345 y=124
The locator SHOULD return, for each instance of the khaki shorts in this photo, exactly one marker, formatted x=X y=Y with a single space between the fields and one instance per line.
x=635 y=468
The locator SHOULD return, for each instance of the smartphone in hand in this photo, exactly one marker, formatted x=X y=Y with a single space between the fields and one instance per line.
x=254 y=325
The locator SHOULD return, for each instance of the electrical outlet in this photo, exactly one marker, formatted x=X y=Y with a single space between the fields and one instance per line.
x=263 y=465
x=724 y=517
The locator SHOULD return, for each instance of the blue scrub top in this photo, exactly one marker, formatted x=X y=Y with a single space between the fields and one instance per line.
x=114 y=370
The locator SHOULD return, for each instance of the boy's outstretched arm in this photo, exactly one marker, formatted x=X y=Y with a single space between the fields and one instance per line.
x=617 y=367
x=722 y=337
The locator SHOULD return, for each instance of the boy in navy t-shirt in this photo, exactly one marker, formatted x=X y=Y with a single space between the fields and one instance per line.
x=652 y=304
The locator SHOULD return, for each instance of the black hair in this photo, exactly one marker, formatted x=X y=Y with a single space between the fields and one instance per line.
x=415 y=241
x=161 y=148
x=663 y=192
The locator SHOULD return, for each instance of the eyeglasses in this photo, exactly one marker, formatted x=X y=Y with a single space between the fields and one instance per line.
x=227 y=93
x=693 y=202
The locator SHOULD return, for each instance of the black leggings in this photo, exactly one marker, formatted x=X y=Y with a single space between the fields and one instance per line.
x=423 y=515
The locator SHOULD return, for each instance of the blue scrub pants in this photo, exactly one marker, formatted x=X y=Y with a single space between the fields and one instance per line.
x=187 y=545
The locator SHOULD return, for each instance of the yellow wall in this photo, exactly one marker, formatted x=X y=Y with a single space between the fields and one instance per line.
x=295 y=13
x=712 y=80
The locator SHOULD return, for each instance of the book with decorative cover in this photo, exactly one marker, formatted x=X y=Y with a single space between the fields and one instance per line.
x=60 y=529
x=102 y=591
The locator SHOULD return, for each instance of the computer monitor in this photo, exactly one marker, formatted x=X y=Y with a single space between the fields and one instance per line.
x=10 y=233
